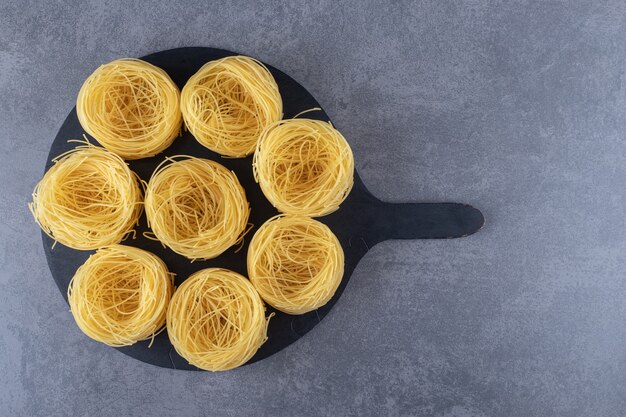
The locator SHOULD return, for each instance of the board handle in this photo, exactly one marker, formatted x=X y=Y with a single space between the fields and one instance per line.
x=425 y=221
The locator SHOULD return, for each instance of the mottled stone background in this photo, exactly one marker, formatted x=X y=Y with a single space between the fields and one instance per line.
x=516 y=107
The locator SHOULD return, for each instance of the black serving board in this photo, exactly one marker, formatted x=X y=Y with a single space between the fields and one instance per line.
x=360 y=223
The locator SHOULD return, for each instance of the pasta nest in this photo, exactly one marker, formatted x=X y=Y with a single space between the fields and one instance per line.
x=88 y=199
x=295 y=263
x=216 y=320
x=304 y=167
x=120 y=295
x=131 y=107
x=196 y=207
x=228 y=102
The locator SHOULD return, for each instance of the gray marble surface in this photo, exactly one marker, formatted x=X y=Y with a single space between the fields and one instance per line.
x=516 y=107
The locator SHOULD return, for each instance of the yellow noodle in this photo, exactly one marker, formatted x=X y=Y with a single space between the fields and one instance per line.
x=295 y=263
x=228 y=102
x=131 y=107
x=304 y=167
x=88 y=199
x=196 y=207
x=120 y=295
x=216 y=320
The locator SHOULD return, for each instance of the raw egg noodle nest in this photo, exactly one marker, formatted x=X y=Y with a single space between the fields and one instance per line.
x=216 y=320
x=88 y=199
x=120 y=295
x=295 y=263
x=131 y=107
x=228 y=102
x=304 y=167
x=196 y=207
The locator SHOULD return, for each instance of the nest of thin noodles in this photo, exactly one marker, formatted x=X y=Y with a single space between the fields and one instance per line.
x=295 y=263
x=88 y=199
x=304 y=167
x=196 y=207
x=120 y=295
x=216 y=320
x=228 y=102
x=131 y=107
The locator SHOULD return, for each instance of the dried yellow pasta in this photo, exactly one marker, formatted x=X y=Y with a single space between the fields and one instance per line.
x=216 y=320
x=131 y=107
x=228 y=102
x=295 y=263
x=88 y=199
x=304 y=167
x=196 y=207
x=120 y=295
